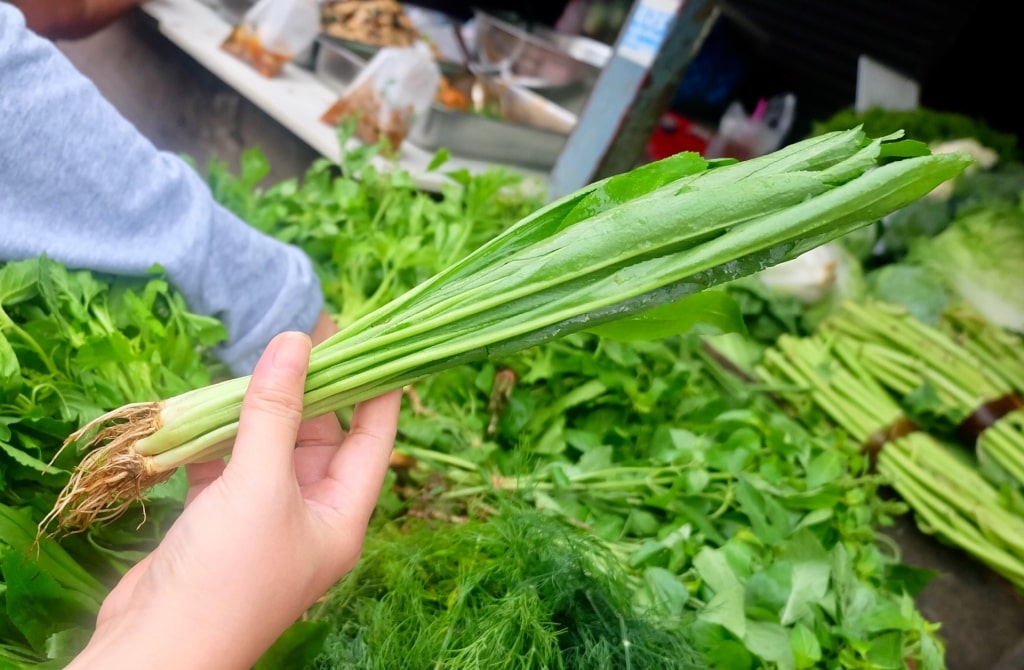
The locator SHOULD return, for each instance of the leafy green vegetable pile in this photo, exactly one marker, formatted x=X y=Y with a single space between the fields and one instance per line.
x=757 y=541
x=697 y=520
x=511 y=588
x=73 y=345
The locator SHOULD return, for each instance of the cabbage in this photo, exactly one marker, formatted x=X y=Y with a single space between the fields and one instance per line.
x=821 y=279
x=979 y=257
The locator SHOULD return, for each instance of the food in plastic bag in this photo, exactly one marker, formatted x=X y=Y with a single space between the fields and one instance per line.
x=394 y=89
x=274 y=32
x=381 y=23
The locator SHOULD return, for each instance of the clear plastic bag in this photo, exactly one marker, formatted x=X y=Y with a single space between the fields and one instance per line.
x=274 y=32
x=740 y=136
x=395 y=88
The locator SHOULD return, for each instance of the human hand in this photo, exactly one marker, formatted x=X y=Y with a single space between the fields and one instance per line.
x=324 y=328
x=260 y=538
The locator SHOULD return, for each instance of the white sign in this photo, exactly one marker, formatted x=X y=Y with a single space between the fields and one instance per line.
x=648 y=25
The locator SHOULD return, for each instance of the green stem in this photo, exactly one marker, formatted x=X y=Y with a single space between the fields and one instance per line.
x=7 y=323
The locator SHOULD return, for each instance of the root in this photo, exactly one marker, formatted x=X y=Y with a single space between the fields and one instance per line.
x=112 y=476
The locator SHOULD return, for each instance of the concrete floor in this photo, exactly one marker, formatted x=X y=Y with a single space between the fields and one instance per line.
x=182 y=108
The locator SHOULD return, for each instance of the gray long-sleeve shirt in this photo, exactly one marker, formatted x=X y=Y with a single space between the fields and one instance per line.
x=79 y=183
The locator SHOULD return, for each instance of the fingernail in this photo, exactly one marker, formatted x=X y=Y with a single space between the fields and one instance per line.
x=292 y=352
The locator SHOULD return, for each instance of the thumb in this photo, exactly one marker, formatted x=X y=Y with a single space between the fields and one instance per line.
x=272 y=407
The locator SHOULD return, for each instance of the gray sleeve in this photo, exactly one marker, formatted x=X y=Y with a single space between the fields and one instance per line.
x=79 y=183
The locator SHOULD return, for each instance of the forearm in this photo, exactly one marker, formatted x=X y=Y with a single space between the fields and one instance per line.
x=81 y=185
x=174 y=635
x=71 y=19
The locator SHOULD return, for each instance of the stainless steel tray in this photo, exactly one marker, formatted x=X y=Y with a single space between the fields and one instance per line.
x=530 y=130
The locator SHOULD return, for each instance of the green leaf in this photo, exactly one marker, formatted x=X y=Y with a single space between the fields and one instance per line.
x=22 y=458
x=904 y=149
x=630 y=185
x=255 y=167
x=10 y=369
x=886 y=652
x=811 y=572
x=768 y=518
x=805 y=646
x=932 y=654
x=726 y=606
x=770 y=642
x=297 y=647
x=103 y=349
x=825 y=467
x=916 y=288
x=18 y=531
x=666 y=590
x=37 y=604
x=66 y=644
x=707 y=312
x=767 y=589
x=440 y=158
x=886 y=615
x=18 y=282
x=730 y=654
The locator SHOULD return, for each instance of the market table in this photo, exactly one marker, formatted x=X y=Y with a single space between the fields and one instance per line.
x=296 y=98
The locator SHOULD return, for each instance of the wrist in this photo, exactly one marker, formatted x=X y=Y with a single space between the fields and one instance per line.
x=175 y=636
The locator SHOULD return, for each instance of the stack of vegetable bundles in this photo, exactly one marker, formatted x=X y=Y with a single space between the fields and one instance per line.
x=940 y=408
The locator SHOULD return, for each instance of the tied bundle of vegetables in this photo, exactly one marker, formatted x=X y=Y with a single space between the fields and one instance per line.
x=938 y=376
x=626 y=245
x=999 y=349
x=949 y=496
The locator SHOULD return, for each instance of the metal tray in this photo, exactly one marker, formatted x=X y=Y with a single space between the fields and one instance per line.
x=531 y=130
x=367 y=51
x=527 y=59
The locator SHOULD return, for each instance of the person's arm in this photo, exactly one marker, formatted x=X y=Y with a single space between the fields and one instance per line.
x=71 y=19
x=80 y=184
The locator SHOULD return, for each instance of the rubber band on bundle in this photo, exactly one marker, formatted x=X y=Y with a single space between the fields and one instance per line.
x=987 y=414
x=894 y=431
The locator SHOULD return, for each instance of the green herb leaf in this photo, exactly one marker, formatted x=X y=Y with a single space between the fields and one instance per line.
x=708 y=312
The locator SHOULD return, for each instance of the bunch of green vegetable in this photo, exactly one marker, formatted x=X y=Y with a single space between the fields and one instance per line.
x=1000 y=350
x=509 y=587
x=74 y=345
x=939 y=381
x=950 y=497
x=618 y=248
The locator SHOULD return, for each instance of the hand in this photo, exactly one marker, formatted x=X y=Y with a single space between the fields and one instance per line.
x=324 y=328
x=260 y=538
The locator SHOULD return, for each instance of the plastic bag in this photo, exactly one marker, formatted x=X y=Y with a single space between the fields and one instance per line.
x=274 y=32
x=741 y=137
x=395 y=89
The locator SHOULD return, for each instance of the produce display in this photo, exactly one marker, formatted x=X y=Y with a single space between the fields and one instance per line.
x=852 y=379
x=604 y=460
x=629 y=245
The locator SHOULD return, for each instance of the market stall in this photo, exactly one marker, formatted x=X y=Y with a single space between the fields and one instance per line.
x=525 y=106
x=694 y=413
